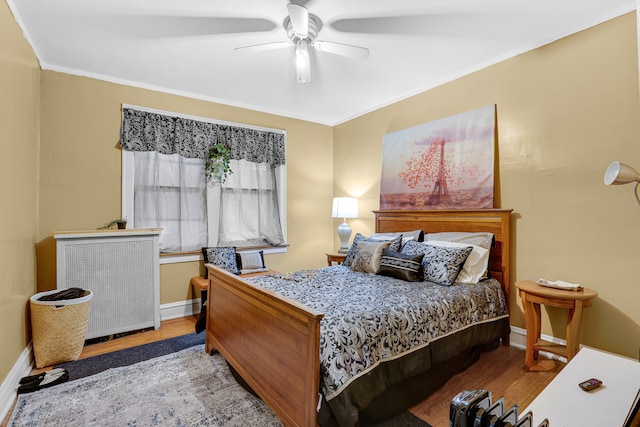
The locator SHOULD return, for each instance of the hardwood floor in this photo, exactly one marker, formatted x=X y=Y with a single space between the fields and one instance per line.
x=500 y=371
x=168 y=329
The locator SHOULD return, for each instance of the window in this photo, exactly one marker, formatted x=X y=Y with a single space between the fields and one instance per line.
x=169 y=192
x=164 y=184
x=249 y=200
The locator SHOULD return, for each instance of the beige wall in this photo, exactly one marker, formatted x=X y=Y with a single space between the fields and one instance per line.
x=565 y=111
x=81 y=165
x=19 y=105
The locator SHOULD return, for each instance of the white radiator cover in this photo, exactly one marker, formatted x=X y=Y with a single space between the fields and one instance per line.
x=122 y=270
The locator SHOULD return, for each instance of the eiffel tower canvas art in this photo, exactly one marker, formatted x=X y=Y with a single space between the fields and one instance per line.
x=444 y=164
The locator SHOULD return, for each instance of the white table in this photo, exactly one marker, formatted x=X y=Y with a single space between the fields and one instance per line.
x=567 y=405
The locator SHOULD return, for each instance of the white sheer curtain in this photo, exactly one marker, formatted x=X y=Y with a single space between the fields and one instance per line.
x=169 y=193
x=170 y=188
x=249 y=213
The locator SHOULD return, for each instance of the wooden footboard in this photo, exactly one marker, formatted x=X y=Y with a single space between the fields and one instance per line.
x=273 y=342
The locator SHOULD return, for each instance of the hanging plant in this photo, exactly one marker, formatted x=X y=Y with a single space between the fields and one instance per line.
x=217 y=166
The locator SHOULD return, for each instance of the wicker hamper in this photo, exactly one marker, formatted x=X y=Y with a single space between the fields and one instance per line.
x=59 y=328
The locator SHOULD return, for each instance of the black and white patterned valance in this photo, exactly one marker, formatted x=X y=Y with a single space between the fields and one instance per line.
x=148 y=131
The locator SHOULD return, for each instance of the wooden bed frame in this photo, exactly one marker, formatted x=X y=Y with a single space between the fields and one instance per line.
x=273 y=342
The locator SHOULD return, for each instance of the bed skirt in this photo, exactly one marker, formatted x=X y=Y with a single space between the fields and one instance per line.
x=398 y=384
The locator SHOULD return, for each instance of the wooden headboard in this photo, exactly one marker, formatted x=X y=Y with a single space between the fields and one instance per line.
x=496 y=221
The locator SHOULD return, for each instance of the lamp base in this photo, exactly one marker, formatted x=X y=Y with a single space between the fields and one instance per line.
x=344 y=232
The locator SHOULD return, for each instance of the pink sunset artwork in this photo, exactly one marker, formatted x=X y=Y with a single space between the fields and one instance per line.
x=444 y=164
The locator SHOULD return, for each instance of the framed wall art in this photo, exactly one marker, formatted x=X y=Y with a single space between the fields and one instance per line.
x=444 y=164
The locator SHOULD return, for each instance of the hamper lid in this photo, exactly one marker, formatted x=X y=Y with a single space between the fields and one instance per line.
x=87 y=297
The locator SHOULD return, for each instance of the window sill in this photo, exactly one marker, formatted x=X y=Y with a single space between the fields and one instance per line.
x=193 y=256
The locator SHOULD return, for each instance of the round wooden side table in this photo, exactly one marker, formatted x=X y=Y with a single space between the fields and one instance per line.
x=532 y=295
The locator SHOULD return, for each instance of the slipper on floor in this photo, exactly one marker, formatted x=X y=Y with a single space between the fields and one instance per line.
x=40 y=376
x=47 y=381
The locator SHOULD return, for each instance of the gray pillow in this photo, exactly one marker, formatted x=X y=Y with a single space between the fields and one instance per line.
x=250 y=262
x=395 y=245
x=369 y=256
x=440 y=264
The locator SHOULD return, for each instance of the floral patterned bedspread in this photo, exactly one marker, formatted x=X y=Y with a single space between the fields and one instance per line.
x=370 y=319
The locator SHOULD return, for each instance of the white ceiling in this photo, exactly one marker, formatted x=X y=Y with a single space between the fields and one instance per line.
x=186 y=47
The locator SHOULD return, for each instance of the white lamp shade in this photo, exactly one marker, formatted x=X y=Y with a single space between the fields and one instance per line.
x=619 y=173
x=345 y=207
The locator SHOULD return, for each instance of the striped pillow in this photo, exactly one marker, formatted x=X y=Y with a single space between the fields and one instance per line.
x=401 y=266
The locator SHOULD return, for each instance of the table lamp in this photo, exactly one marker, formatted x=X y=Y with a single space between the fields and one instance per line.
x=344 y=207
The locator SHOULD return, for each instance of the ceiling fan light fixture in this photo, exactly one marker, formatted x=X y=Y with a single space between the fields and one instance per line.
x=303 y=65
x=302 y=29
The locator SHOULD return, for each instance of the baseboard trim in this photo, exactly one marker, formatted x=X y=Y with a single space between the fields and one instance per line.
x=518 y=339
x=179 y=309
x=8 y=392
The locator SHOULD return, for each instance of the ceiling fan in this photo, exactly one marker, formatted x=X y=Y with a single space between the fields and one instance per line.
x=302 y=29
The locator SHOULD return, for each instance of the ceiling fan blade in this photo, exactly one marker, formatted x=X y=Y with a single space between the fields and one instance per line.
x=262 y=47
x=341 y=49
x=158 y=26
x=381 y=25
x=437 y=24
x=299 y=16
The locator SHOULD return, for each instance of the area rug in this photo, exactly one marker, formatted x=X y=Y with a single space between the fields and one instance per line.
x=93 y=365
x=187 y=388
x=182 y=388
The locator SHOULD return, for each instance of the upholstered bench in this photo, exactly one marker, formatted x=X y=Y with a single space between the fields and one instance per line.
x=202 y=284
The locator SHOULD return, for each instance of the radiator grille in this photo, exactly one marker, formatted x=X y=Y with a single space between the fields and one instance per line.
x=122 y=274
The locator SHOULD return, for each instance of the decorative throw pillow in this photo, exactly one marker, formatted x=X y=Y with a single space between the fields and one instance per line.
x=222 y=256
x=475 y=267
x=401 y=266
x=368 y=256
x=250 y=261
x=440 y=265
x=396 y=244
